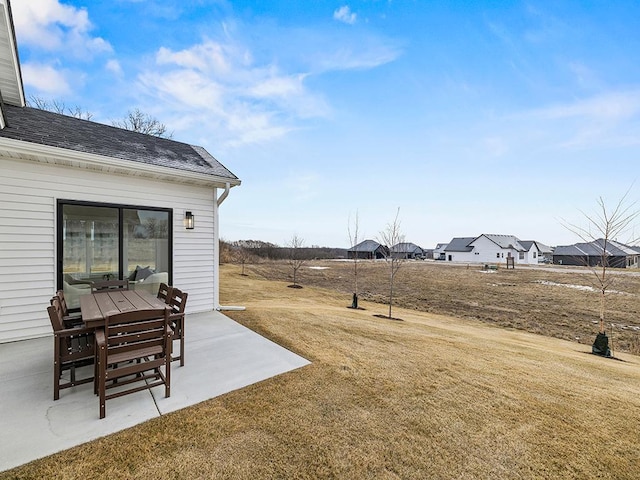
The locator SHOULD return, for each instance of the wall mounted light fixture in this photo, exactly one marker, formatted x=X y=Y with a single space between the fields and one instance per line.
x=189 y=220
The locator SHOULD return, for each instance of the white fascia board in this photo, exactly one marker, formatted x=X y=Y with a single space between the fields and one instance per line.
x=71 y=158
x=11 y=37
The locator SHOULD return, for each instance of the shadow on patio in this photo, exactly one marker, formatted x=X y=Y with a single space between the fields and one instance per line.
x=221 y=356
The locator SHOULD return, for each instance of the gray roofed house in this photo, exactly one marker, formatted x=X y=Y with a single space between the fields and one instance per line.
x=618 y=255
x=81 y=201
x=368 y=250
x=460 y=244
x=407 y=250
x=439 y=251
x=491 y=248
x=544 y=252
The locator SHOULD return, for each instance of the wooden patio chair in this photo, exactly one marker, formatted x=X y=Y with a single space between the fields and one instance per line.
x=164 y=292
x=132 y=348
x=178 y=302
x=72 y=348
x=103 y=285
x=70 y=319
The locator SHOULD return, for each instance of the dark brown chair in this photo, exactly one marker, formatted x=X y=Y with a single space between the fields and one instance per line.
x=178 y=302
x=70 y=319
x=131 y=349
x=72 y=348
x=102 y=285
x=164 y=292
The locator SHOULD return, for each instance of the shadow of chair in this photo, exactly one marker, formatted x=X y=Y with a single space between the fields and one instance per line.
x=73 y=348
x=102 y=285
x=131 y=350
x=178 y=302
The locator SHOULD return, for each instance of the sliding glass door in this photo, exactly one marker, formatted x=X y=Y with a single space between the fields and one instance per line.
x=90 y=242
x=99 y=242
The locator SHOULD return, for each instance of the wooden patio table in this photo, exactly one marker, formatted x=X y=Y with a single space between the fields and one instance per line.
x=96 y=307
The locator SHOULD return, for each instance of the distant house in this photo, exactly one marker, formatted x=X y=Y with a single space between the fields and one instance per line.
x=590 y=254
x=542 y=251
x=407 y=250
x=368 y=250
x=458 y=248
x=438 y=252
x=488 y=248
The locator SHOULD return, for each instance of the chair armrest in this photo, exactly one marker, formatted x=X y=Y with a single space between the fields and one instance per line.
x=72 y=332
x=100 y=338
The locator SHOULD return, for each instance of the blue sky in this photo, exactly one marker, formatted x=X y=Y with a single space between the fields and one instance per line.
x=471 y=117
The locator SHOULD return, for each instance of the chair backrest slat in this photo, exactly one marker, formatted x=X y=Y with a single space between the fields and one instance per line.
x=178 y=301
x=164 y=292
x=131 y=330
x=63 y=302
x=55 y=315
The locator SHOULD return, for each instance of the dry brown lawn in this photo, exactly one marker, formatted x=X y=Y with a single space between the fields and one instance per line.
x=432 y=396
x=553 y=301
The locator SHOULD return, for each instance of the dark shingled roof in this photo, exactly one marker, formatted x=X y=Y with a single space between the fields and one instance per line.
x=595 y=249
x=366 y=246
x=460 y=244
x=406 y=247
x=52 y=129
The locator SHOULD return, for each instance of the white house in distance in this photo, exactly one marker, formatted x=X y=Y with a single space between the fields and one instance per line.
x=438 y=252
x=493 y=249
x=80 y=200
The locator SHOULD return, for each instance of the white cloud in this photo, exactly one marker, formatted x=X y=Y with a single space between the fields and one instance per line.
x=114 y=67
x=52 y=26
x=345 y=15
x=45 y=79
x=357 y=57
x=243 y=101
x=614 y=106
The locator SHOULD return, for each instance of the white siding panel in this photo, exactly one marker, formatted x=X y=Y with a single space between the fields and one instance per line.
x=28 y=195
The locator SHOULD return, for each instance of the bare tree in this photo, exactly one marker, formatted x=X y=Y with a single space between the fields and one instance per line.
x=242 y=255
x=137 y=121
x=353 y=240
x=605 y=226
x=295 y=258
x=56 y=106
x=390 y=237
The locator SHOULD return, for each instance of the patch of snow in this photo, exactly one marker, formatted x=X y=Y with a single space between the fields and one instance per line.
x=318 y=268
x=585 y=288
x=567 y=285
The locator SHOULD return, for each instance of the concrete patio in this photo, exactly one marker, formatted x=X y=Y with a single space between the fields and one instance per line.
x=221 y=356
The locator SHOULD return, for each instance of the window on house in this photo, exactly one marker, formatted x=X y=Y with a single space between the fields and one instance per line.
x=521 y=255
x=498 y=255
x=99 y=241
x=535 y=254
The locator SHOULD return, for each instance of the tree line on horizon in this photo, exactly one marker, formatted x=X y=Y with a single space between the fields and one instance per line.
x=258 y=249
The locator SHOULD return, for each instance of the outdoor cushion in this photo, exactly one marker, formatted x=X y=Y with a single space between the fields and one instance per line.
x=143 y=273
x=140 y=273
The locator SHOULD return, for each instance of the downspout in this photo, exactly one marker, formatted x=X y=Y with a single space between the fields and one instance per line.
x=216 y=250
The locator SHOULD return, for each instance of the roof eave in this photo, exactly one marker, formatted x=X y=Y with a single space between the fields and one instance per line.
x=13 y=74
x=74 y=159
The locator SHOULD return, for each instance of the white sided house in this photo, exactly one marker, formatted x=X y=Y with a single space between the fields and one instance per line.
x=81 y=201
x=492 y=249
